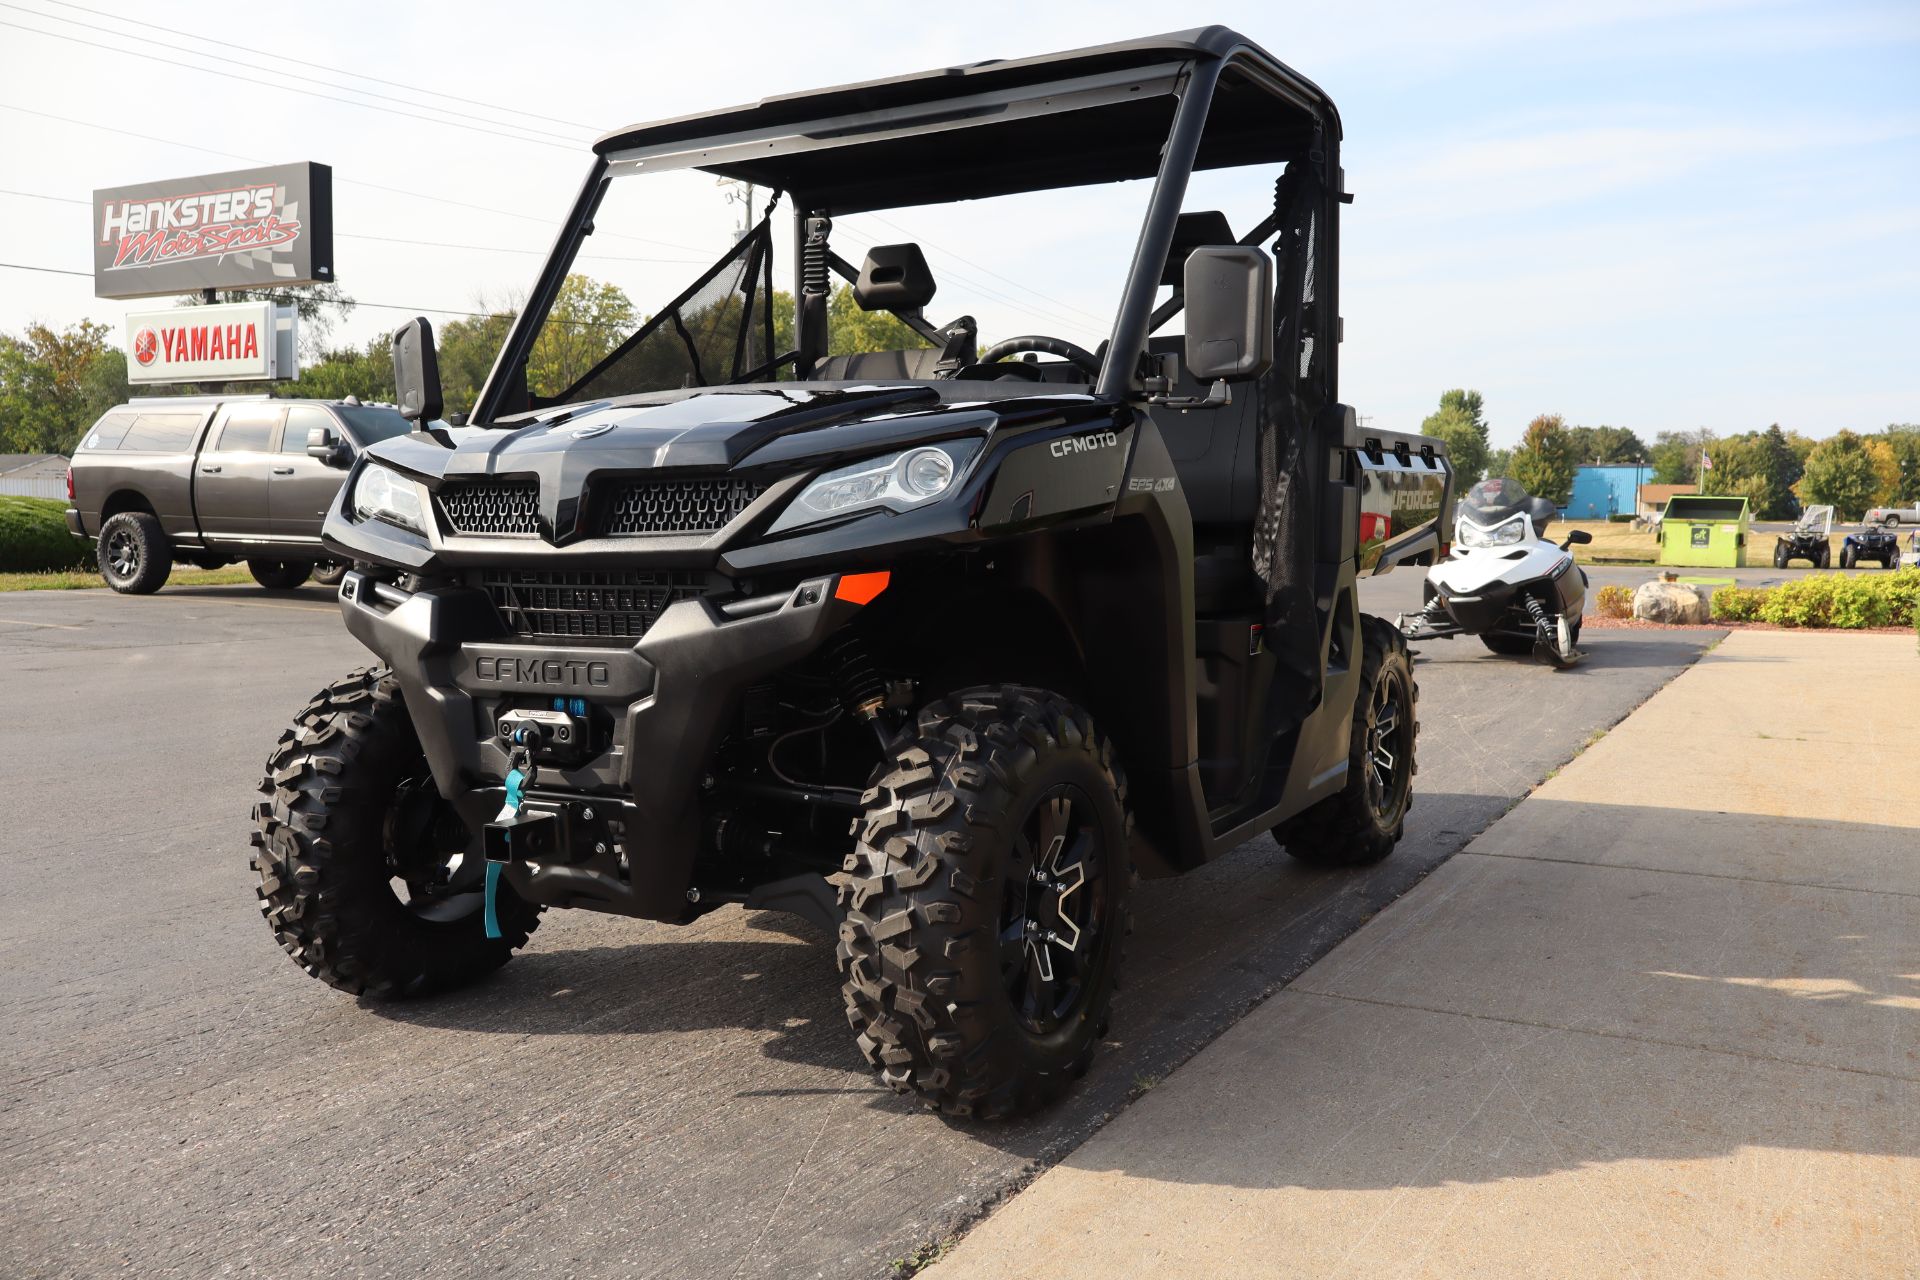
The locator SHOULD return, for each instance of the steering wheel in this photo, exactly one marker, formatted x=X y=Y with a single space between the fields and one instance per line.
x=1079 y=357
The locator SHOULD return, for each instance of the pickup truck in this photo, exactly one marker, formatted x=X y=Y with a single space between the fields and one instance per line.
x=211 y=480
x=1893 y=516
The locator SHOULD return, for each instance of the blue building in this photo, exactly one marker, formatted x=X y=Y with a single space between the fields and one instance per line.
x=1602 y=491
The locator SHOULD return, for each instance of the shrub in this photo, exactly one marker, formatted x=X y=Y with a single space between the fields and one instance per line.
x=1737 y=604
x=1614 y=602
x=34 y=537
x=1827 y=600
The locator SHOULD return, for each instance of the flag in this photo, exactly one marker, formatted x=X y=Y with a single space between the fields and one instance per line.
x=1706 y=462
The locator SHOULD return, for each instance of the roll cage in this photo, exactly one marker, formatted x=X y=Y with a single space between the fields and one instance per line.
x=1160 y=107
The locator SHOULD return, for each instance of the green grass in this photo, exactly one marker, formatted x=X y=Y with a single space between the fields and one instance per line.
x=34 y=537
x=80 y=579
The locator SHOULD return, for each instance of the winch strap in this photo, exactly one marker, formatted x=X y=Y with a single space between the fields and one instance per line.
x=516 y=780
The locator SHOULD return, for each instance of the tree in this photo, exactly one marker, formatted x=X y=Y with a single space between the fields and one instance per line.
x=365 y=374
x=1840 y=472
x=54 y=385
x=1500 y=462
x=1886 y=470
x=850 y=329
x=1676 y=455
x=1543 y=462
x=1903 y=440
x=1783 y=471
x=1606 y=446
x=589 y=318
x=1458 y=422
x=316 y=305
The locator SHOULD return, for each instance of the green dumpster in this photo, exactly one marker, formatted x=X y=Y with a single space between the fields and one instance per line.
x=1700 y=529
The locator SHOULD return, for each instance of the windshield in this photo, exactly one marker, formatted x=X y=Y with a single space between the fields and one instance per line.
x=1496 y=497
x=372 y=423
x=688 y=281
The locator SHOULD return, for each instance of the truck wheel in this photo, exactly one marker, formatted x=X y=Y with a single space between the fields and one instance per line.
x=986 y=902
x=1365 y=820
x=279 y=575
x=135 y=556
x=364 y=878
x=329 y=572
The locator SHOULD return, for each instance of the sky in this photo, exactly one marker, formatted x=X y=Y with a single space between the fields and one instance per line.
x=1658 y=214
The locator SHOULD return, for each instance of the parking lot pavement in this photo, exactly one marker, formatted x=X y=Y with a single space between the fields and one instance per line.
x=625 y=1098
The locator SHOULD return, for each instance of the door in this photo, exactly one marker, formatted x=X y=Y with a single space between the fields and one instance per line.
x=303 y=488
x=231 y=475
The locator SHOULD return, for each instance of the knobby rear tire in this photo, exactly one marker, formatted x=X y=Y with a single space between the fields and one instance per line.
x=1344 y=830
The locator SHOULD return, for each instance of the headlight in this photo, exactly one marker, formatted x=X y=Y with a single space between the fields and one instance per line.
x=384 y=494
x=896 y=482
x=1505 y=534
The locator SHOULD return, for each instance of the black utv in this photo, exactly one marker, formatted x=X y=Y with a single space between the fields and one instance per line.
x=936 y=645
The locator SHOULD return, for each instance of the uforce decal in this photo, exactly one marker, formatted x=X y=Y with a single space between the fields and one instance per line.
x=1084 y=444
x=569 y=673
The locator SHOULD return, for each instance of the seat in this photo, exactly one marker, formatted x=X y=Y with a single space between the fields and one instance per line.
x=896 y=277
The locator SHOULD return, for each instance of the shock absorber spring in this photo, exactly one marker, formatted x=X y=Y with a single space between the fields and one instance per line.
x=855 y=677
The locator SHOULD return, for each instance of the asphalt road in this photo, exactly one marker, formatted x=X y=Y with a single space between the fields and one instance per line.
x=625 y=1098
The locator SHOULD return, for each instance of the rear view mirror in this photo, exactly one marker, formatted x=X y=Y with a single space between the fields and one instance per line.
x=416 y=371
x=1578 y=537
x=1229 y=304
x=324 y=446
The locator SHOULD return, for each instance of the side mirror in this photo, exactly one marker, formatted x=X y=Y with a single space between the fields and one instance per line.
x=1229 y=303
x=1578 y=538
x=416 y=371
x=326 y=447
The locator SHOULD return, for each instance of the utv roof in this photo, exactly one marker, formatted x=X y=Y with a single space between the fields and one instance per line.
x=1059 y=120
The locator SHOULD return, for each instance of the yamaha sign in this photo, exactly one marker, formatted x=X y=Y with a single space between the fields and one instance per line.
x=233 y=342
x=248 y=229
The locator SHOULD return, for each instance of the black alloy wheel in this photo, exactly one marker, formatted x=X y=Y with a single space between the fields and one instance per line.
x=1051 y=916
x=122 y=554
x=1389 y=739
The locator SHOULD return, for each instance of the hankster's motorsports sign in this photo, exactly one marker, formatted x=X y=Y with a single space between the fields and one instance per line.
x=253 y=228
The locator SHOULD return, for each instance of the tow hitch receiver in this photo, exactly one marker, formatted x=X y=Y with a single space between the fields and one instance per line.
x=530 y=835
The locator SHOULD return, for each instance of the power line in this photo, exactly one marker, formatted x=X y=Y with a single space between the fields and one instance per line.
x=349 y=182
x=425 y=244
x=253 y=52
x=1024 y=288
x=35 y=195
x=52 y=271
x=347 y=304
x=286 y=88
x=290 y=75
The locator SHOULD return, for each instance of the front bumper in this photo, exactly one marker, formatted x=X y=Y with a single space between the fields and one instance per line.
x=672 y=695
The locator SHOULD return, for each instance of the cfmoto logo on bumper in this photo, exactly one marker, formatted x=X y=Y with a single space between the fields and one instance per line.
x=1084 y=444
x=562 y=673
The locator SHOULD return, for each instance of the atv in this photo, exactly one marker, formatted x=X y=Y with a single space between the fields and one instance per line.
x=1809 y=540
x=1871 y=542
x=935 y=646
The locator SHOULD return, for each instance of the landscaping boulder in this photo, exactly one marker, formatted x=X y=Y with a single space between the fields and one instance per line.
x=1669 y=602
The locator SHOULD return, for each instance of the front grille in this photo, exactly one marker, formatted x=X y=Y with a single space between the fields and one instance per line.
x=677 y=506
x=490 y=506
x=587 y=604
